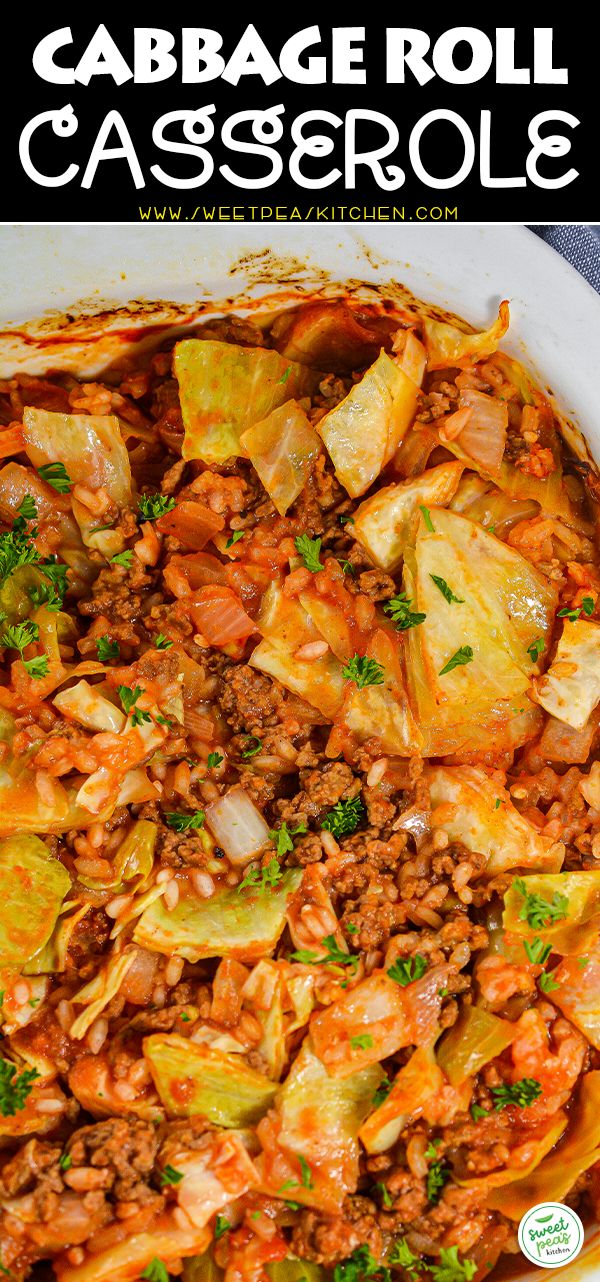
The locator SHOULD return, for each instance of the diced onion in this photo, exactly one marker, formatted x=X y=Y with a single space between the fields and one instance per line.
x=84 y=704
x=237 y=826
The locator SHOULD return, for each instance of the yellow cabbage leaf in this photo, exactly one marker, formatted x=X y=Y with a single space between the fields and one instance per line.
x=574 y=933
x=384 y=524
x=447 y=345
x=192 y=1078
x=578 y=994
x=362 y=433
x=416 y=1082
x=466 y=797
x=285 y=627
x=570 y=689
x=33 y=885
x=283 y=448
x=475 y=1039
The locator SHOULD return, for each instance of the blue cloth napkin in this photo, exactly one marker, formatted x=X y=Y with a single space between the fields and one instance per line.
x=579 y=244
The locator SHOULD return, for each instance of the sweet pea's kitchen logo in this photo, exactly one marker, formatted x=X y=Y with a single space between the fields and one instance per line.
x=550 y=1235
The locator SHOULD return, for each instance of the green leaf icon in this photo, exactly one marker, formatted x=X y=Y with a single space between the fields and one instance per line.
x=543 y=1219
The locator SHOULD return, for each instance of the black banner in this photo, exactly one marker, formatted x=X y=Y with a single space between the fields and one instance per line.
x=291 y=121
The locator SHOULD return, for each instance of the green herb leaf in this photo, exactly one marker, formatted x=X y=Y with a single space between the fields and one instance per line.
x=450 y=1268
x=27 y=508
x=407 y=970
x=362 y=1042
x=107 y=649
x=446 y=591
x=360 y=1265
x=346 y=520
x=382 y=1092
x=253 y=745
x=14 y=1087
x=129 y=699
x=306 y=1175
x=122 y=558
x=537 y=951
x=184 y=823
x=381 y=1188
x=335 y=956
x=398 y=607
x=344 y=818
x=262 y=879
x=282 y=837
x=161 y=642
x=539 y=912
x=547 y=983
x=155 y=1271
x=402 y=1255
x=363 y=671
x=170 y=1176
x=235 y=538
x=65 y=1162
x=536 y=648
x=222 y=1226
x=588 y=605
x=37 y=667
x=477 y=1111
x=19 y=635
x=461 y=656
x=427 y=519
x=47 y=595
x=310 y=551
x=285 y=375
x=16 y=549
x=523 y=1093
x=213 y=760
x=56 y=475
x=153 y=506
x=437 y=1176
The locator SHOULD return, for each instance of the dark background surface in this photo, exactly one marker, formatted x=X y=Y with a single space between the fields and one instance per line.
x=113 y=196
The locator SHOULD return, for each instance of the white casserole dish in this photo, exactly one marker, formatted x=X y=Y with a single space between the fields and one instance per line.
x=75 y=297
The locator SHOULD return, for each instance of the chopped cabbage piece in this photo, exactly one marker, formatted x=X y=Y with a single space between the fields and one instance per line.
x=383 y=711
x=570 y=689
x=505 y=605
x=574 y=933
x=536 y=1147
x=95 y=456
x=465 y=798
x=53 y=956
x=88 y=706
x=375 y=1018
x=225 y=389
x=229 y=924
x=33 y=885
x=578 y=994
x=285 y=627
x=283 y=448
x=316 y=1117
x=385 y=523
x=483 y=437
x=100 y=991
x=128 y=1259
x=447 y=345
x=417 y=1081
x=556 y=1175
x=28 y=1120
x=362 y=433
x=192 y=1078
x=473 y=1041
x=237 y=825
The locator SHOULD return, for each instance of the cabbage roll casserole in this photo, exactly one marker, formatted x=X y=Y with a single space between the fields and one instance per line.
x=299 y=806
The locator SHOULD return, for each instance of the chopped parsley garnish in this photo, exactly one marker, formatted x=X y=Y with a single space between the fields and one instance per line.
x=537 y=951
x=282 y=837
x=107 y=649
x=122 y=558
x=361 y=1264
x=547 y=983
x=446 y=590
x=431 y=1150
x=285 y=375
x=27 y=508
x=183 y=823
x=346 y=520
x=407 y=970
x=450 y=1268
x=351 y=928
x=477 y=1111
x=344 y=818
x=398 y=607
x=234 y=538
x=536 y=648
x=425 y=513
x=51 y=596
x=19 y=635
x=335 y=956
x=129 y=699
x=381 y=1188
x=170 y=1176
x=65 y=1162
x=583 y=962
x=152 y=506
x=38 y=667
x=161 y=642
x=347 y=567
x=56 y=475
x=461 y=656
x=310 y=551
x=253 y=745
x=14 y=1087
x=155 y=1271
x=222 y=1226
x=573 y=612
x=306 y=1172
x=362 y=1042
x=46 y=594
x=437 y=1176
x=523 y=1093
x=214 y=759
x=539 y=912
x=262 y=879
x=382 y=1092
x=16 y=549
x=401 y=1254
x=363 y=671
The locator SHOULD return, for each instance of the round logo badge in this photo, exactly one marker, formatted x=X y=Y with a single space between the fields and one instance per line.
x=550 y=1235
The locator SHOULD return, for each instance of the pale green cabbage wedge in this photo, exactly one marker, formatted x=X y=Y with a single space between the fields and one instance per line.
x=195 y=1080
x=32 y=887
